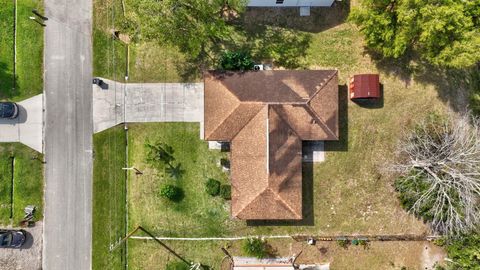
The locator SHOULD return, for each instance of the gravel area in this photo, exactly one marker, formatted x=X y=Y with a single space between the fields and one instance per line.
x=29 y=257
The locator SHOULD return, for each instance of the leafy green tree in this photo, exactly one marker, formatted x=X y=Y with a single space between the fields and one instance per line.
x=236 y=61
x=196 y=27
x=444 y=32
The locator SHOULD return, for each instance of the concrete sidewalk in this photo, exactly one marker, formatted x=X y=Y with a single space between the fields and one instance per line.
x=146 y=102
x=27 y=128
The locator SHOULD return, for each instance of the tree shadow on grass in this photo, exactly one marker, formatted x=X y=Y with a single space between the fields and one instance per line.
x=7 y=83
x=307 y=203
x=278 y=36
x=453 y=85
x=279 y=46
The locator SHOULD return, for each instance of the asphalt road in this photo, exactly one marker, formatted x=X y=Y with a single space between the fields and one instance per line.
x=68 y=135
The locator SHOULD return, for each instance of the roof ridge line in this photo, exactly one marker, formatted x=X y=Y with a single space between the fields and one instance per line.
x=254 y=198
x=322 y=121
x=323 y=86
x=281 y=200
x=283 y=119
x=225 y=119
x=250 y=120
x=275 y=194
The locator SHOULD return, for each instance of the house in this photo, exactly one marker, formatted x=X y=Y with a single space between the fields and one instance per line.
x=290 y=3
x=265 y=115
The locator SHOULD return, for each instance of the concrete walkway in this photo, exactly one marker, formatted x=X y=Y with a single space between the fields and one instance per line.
x=146 y=102
x=27 y=128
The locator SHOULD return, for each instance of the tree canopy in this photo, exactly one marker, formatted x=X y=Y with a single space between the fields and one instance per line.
x=194 y=26
x=445 y=33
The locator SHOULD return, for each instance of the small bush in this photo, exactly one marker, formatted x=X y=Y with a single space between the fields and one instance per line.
x=363 y=243
x=236 y=61
x=255 y=247
x=226 y=192
x=171 y=192
x=176 y=265
x=343 y=243
x=212 y=187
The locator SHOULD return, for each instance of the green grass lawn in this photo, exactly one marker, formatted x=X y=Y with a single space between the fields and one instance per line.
x=6 y=170
x=6 y=49
x=28 y=78
x=147 y=208
x=109 y=209
x=146 y=62
x=27 y=182
x=29 y=51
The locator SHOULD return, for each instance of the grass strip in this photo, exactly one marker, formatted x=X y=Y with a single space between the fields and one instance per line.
x=5 y=189
x=109 y=198
x=7 y=22
x=29 y=69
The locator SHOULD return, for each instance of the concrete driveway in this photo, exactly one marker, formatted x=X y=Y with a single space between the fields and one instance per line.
x=27 y=128
x=146 y=102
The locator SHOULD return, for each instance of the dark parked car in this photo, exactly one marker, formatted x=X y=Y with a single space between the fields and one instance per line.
x=12 y=238
x=8 y=110
x=100 y=83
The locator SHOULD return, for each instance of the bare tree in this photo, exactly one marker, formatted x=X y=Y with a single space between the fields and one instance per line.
x=440 y=168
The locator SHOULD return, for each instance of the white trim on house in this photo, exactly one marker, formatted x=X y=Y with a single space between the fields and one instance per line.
x=290 y=3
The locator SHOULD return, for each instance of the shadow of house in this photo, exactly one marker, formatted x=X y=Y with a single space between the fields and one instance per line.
x=342 y=143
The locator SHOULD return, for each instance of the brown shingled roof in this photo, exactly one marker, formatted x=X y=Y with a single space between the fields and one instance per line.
x=266 y=115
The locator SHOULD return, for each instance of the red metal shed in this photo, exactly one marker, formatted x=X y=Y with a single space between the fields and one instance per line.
x=365 y=86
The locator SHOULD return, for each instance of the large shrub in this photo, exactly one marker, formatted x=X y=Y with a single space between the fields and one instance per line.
x=171 y=192
x=212 y=187
x=255 y=247
x=236 y=61
x=463 y=252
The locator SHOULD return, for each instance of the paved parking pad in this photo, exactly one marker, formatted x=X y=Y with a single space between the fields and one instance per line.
x=29 y=256
x=147 y=102
x=27 y=128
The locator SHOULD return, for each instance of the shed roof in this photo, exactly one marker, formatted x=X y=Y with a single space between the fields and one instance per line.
x=266 y=115
x=365 y=86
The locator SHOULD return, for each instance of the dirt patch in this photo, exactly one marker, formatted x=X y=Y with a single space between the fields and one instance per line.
x=29 y=257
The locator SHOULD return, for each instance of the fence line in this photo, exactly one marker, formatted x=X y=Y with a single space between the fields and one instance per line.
x=300 y=238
